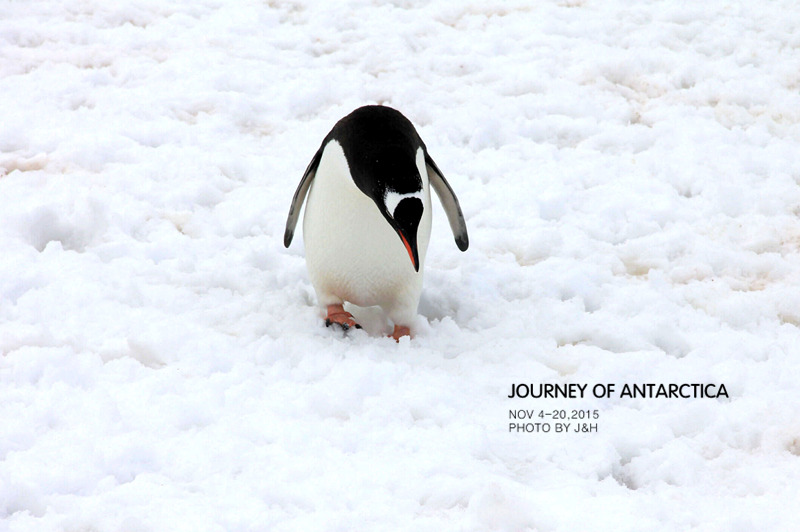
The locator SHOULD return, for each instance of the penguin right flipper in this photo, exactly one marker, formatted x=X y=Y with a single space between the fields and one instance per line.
x=300 y=196
x=450 y=203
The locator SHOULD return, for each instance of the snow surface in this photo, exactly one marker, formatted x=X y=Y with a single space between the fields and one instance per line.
x=630 y=176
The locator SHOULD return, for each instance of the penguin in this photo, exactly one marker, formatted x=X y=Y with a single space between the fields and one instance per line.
x=367 y=220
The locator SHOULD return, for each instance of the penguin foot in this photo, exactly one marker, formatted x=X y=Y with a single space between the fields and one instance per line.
x=338 y=315
x=400 y=330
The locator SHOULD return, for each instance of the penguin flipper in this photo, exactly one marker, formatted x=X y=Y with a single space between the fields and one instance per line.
x=449 y=202
x=299 y=197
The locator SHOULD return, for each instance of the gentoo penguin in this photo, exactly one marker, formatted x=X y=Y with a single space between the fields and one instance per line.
x=368 y=216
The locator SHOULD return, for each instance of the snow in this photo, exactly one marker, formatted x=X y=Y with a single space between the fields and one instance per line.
x=629 y=176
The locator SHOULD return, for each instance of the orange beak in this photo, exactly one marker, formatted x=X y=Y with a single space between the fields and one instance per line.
x=410 y=251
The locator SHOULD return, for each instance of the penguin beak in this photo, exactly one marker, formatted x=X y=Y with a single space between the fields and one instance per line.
x=405 y=220
x=410 y=243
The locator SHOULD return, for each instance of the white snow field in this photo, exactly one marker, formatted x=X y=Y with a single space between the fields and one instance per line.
x=630 y=176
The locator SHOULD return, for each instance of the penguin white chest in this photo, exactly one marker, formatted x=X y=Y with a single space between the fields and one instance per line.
x=352 y=252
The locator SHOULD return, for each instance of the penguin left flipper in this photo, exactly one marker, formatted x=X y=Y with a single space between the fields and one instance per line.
x=300 y=196
x=450 y=203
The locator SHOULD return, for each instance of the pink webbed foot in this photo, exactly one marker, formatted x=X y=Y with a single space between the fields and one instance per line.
x=338 y=315
x=399 y=331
